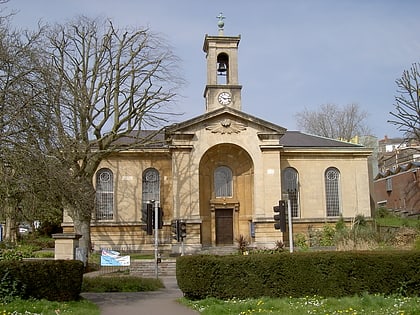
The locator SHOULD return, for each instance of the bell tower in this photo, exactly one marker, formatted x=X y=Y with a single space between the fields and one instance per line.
x=222 y=87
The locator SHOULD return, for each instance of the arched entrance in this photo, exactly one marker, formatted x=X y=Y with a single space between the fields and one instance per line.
x=226 y=194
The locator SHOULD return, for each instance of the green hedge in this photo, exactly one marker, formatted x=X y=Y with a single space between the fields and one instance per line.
x=54 y=280
x=120 y=283
x=328 y=274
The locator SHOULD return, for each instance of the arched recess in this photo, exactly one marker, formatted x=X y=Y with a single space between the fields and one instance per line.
x=223 y=69
x=215 y=210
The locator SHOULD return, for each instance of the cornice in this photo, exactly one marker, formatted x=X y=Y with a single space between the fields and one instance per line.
x=220 y=39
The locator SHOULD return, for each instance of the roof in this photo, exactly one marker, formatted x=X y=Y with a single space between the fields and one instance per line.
x=142 y=139
x=398 y=169
x=300 y=139
x=290 y=139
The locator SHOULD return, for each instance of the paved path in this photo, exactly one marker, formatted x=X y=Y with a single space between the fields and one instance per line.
x=160 y=302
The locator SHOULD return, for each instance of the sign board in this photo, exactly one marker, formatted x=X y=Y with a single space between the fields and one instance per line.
x=113 y=258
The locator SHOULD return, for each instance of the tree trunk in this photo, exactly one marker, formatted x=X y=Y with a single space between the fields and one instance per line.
x=10 y=228
x=79 y=207
x=82 y=227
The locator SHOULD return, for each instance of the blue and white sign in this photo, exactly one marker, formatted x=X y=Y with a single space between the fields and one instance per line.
x=113 y=258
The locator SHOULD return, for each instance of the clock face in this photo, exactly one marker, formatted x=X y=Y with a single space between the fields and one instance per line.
x=224 y=98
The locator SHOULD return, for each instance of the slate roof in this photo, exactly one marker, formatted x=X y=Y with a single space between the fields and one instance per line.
x=149 y=139
x=291 y=139
x=301 y=139
x=398 y=169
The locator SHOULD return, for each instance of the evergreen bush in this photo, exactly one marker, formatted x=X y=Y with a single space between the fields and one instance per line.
x=120 y=284
x=54 y=280
x=328 y=274
x=10 y=288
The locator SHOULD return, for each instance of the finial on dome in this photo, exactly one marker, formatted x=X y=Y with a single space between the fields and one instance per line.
x=220 y=24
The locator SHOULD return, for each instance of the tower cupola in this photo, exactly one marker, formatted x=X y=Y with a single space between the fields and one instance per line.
x=222 y=88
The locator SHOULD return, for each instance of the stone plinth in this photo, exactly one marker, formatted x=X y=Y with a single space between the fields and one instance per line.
x=65 y=245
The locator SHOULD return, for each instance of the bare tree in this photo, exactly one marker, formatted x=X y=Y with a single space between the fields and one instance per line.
x=101 y=84
x=334 y=122
x=406 y=115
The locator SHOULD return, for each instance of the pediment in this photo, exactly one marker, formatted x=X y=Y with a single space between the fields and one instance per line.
x=225 y=121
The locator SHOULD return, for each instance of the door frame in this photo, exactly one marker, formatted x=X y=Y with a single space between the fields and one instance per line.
x=224 y=203
x=225 y=223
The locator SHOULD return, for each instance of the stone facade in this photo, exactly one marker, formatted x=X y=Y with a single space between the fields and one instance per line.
x=193 y=156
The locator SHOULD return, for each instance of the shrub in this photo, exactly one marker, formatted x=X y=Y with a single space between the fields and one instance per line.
x=54 y=280
x=322 y=237
x=38 y=242
x=243 y=243
x=340 y=225
x=10 y=288
x=383 y=212
x=329 y=274
x=17 y=253
x=120 y=284
x=279 y=246
x=327 y=237
x=362 y=239
x=417 y=243
x=301 y=241
x=361 y=236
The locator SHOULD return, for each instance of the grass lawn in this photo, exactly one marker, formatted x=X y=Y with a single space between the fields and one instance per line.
x=398 y=222
x=43 y=307
x=366 y=304
x=108 y=283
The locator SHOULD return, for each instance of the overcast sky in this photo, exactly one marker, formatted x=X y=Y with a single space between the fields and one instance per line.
x=292 y=55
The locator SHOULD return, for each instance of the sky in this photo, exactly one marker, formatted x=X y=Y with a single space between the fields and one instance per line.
x=293 y=55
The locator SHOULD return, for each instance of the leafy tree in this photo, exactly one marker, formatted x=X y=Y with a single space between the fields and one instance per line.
x=406 y=115
x=19 y=79
x=335 y=122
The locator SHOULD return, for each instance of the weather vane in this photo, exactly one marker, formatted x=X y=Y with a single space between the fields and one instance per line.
x=221 y=24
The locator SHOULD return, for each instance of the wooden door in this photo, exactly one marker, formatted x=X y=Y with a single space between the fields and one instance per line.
x=224 y=226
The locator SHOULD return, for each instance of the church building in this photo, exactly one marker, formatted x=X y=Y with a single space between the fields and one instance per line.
x=222 y=173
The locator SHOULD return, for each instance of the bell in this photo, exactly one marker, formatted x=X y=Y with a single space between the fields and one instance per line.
x=222 y=68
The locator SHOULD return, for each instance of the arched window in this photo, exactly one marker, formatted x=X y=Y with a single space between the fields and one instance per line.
x=223 y=182
x=150 y=189
x=291 y=189
x=332 y=192
x=104 y=194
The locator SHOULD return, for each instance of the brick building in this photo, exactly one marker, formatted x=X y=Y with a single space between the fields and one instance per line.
x=397 y=185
